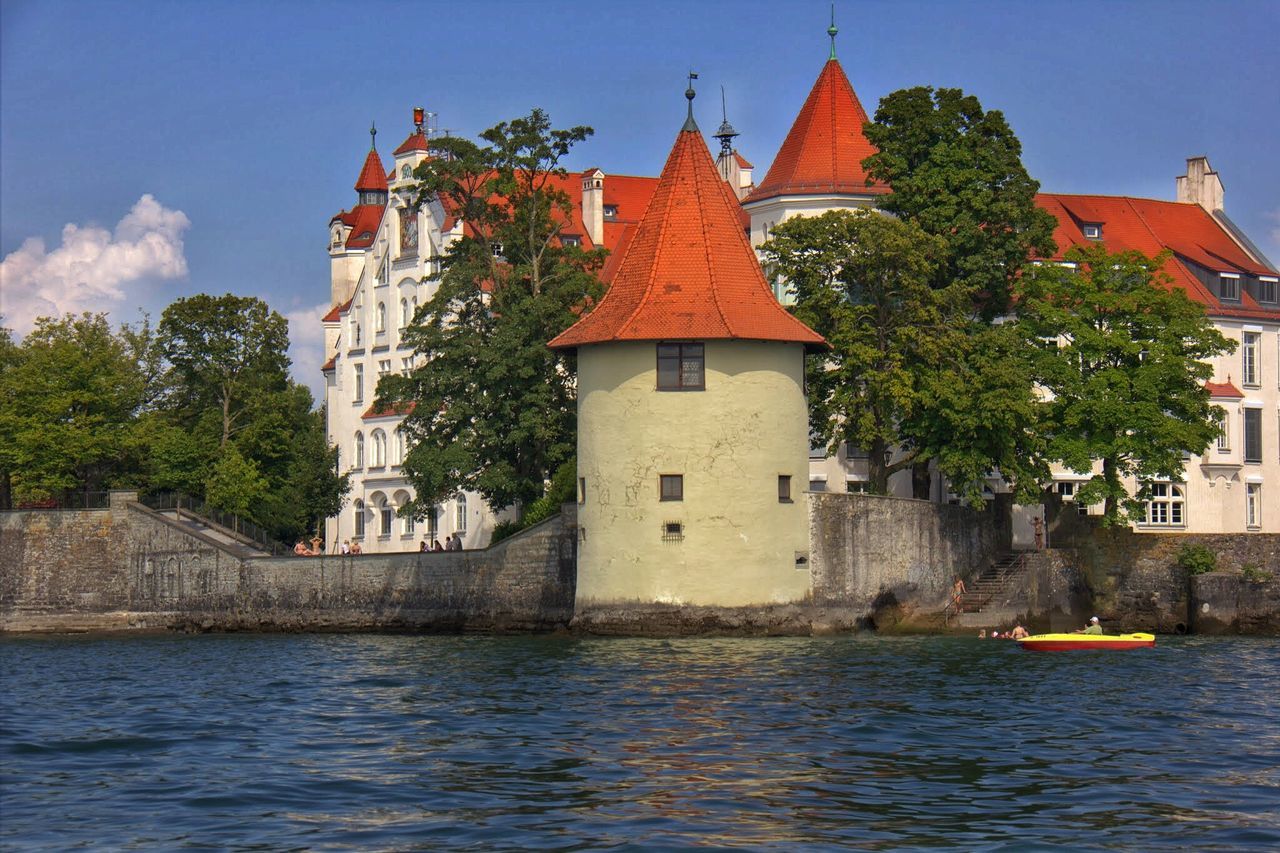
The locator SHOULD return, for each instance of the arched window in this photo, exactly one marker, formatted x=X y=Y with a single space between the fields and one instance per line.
x=379 y=449
x=402 y=448
x=406 y=172
x=357 y=455
x=357 y=510
x=380 y=319
x=407 y=524
x=460 y=516
x=405 y=316
x=384 y=513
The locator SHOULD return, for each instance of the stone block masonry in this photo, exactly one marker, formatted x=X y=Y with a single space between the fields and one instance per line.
x=129 y=567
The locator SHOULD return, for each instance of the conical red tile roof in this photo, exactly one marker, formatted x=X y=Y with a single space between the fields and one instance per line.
x=824 y=150
x=689 y=273
x=373 y=176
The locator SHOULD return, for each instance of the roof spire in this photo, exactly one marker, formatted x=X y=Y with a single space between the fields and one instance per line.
x=689 y=123
x=373 y=137
x=726 y=133
x=831 y=31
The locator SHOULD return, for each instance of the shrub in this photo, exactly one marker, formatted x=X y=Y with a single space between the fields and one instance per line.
x=1197 y=559
x=503 y=529
x=1253 y=573
x=562 y=489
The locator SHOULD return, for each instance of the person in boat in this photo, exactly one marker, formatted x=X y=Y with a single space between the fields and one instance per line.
x=1094 y=627
x=1019 y=632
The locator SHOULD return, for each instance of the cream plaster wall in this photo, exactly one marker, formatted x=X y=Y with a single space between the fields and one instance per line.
x=730 y=443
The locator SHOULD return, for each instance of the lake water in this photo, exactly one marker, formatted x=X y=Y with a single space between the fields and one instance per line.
x=396 y=742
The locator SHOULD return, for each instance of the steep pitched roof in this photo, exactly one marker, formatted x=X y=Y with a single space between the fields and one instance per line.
x=689 y=272
x=1150 y=226
x=373 y=176
x=417 y=141
x=336 y=312
x=364 y=222
x=824 y=150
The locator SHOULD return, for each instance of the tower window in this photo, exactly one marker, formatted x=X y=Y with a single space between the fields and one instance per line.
x=671 y=487
x=681 y=367
x=784 y=488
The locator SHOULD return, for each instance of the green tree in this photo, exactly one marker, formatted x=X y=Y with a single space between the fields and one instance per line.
x=956 y=171
x=490 y=407
x=72 y=393
x=911 y=377
x=1124 y=372
x=225 y=353
x=10 y=355
x=235 y=485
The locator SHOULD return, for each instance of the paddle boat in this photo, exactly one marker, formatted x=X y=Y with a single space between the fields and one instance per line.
x=1072 y=642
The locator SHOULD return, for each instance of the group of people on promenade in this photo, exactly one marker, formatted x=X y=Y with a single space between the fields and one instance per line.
x=352 y=546
x=451 y=543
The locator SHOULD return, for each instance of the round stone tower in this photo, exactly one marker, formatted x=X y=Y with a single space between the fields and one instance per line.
x=693 y=430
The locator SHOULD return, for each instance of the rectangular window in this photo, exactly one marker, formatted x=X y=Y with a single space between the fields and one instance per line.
x=681 y=367
x=1229 y=287
x=784 y=488
x=582 y=490
x=359 y=522
x=671 y=487
x=406 y=365
x=385 y=516
x=409 y=525
x=857 y=487
x=1092 y=232
x=384 y=367
x=359 y=390
x=1253 y=435
x=1267 y=290
x=818 y=485
x=1224 y=432
x=1252 y=504
x=1249 y=358
x=853 y=452
x=817 y=451
x=1165 y=505
x=1067 y=490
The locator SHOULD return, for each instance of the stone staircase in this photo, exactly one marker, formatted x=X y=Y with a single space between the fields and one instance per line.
x=984 y=602
x=229 y=540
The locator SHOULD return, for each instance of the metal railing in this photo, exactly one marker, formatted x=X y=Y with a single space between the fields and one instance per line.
x=994 y=579
x=248 y=532
x=68 y=501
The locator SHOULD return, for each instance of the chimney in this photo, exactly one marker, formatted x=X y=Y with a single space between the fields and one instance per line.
x=1200 y=185
x=593 y=204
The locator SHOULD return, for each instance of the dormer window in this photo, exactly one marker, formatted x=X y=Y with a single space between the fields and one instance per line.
x=571 y=240
x=1092 y=231
x=1228 y=287
x=610 y=211
x=1266 y=289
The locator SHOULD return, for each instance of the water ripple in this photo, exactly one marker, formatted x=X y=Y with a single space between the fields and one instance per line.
x=387 y=743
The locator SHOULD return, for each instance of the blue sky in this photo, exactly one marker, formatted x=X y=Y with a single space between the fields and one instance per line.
x=203 y=146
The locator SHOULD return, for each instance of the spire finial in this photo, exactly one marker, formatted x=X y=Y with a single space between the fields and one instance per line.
x=831 y=31
x=373 y=136
x=689 y=123
x=726 y=133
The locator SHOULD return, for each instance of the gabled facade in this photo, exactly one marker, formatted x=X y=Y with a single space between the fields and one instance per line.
x=384 y=259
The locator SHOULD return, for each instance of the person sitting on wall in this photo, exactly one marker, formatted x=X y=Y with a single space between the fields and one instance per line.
x=1094 y=627
x=436 y=546
x=355 y=546
x=317 y=546
x=300 y=550
x=346 y=546
x=422 y=546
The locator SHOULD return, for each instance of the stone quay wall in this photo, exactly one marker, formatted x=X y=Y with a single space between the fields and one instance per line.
x=889 y=557
x=129 y=567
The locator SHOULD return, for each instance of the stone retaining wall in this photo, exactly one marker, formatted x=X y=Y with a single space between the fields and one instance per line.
x=129 y=567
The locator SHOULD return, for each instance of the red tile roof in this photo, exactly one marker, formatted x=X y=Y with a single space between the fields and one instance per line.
x=1151 y=226
x=417 y=141
x=329 y=365
x=689 y=272
x=373 y=176
x=1223 y=389
x=824 y=150
x=364 y=220
x=336 y=312
x=395 y=411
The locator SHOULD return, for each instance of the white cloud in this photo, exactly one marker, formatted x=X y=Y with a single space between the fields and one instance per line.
x=306 y=347
x=92 y=267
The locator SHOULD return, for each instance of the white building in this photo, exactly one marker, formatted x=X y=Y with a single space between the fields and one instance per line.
x=383 y=257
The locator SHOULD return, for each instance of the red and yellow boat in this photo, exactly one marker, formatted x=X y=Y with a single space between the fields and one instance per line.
x=1073 y=642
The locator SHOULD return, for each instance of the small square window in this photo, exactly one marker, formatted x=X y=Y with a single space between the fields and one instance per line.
x=681 y=367
x=784 y=488
x=672 y=487
x=610 y=211
x=1092 y=231
x=672 y=531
